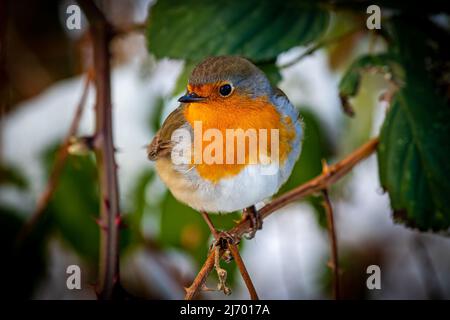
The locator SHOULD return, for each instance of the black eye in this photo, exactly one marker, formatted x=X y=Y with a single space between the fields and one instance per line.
x=225 y=90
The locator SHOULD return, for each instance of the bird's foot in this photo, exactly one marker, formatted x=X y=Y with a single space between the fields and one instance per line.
x=255 y=219
x=223 y=238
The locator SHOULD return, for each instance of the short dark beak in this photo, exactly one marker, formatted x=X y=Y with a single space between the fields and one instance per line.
x=190 y=97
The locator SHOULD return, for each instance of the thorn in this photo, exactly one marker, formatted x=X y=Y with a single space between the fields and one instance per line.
x=107 y=204
x=120 y=222
x=97 y=140
x=346 y=106
x=101 y=224
x=80 y=146
x=97 y=291
x=330 y=265
x=325 y=167
x=205 y=288
x=92 y=285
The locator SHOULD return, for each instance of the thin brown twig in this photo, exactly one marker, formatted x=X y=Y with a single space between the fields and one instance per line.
x=200 y=279
x=105 y=153
x=221 y=272
x=321 y=182
x=240 y=263
x=319 y=45
x=58 y=166
x=234 y=252
x=334 y=263
x=210 y=225
x=127 y=29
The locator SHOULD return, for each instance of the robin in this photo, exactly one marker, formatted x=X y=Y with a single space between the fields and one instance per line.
x=228 y=94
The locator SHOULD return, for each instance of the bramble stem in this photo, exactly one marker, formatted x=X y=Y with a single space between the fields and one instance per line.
x=108 y=275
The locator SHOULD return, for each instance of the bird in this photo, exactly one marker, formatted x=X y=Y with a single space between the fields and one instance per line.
x=227 y=94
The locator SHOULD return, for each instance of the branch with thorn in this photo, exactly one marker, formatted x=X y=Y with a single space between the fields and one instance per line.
x=334 y=262
x=320 y=45
x=108 y=275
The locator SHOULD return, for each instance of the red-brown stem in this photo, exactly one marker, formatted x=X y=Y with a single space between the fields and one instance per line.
x=319 y=45
x=237 y=258
x=240 y=263
x=200 y=279
x=334 y=263
x=104 y=151
x=210 y=224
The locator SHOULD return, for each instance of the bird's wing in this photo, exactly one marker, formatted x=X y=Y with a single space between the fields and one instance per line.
x=161 y=145
x=291 y=110
x=279 y=93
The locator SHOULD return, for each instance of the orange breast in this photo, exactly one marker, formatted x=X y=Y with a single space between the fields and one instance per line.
x=236 y=112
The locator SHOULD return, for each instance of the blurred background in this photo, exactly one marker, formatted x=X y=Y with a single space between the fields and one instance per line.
x=164 y=243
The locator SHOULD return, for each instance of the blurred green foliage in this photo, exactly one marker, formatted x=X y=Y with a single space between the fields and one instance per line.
x=414 y=148
x=12 y=177
x=140 y=204
x=74 y=205
x=258 y=30
x=350 y=82
x=414 y=151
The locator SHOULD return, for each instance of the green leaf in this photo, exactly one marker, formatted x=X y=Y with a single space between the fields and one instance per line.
x=414 y=151
x=414 y=157
x=11 y=176
x=257 y=30
x=350 y=82
x=74 y=205
x=370 y=76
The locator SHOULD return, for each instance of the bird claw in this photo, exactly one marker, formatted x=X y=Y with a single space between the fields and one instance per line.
x=255 y=219
x=223 y=238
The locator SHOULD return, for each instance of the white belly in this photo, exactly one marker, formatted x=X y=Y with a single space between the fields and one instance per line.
x=247 y=188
